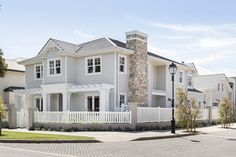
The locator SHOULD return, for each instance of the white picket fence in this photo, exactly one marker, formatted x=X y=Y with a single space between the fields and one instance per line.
x=149 y=114
x=83 y=117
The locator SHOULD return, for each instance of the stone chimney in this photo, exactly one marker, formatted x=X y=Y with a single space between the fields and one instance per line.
x=138 y=78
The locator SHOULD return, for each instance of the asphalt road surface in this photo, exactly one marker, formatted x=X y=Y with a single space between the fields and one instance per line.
x=217 y=144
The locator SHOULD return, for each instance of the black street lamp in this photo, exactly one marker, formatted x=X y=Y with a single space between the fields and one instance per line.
x=173 y=69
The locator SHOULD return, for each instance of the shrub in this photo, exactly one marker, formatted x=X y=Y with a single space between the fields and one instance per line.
x=226 y=112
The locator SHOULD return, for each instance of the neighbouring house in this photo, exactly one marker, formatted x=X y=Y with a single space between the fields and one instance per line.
x=13 y=80
x=102 y=75
x=232 y=83
x=216 y=87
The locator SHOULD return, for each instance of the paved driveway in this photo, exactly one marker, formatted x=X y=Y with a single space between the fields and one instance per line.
x=217 y=144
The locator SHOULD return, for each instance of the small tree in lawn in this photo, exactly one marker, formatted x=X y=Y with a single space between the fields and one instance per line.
x=3 y=113
x=226 y=112
x=187 y=111
x=3 y=65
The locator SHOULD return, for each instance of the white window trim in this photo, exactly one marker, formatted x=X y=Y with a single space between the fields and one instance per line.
x=48 y=67
x=40 y=71
x=40 y=100
x=191 y=81
x=86 y=100
x=180 y=71
x=122 y=93
x=125 y=68
x=86 y=65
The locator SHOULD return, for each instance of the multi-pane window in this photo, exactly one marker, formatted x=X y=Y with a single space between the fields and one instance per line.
x=181 y=77
x=218 y=87
x=189 y=81
x=122 y=64
x=93 y=65
x=122 y=100
x=54 y=67
x=38 y=71
x=222 y=87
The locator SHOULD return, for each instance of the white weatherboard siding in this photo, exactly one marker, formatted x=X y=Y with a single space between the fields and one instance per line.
x=31 y=82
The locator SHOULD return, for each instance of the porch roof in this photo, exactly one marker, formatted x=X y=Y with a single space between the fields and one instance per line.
x=28 y=91
x=89 y=87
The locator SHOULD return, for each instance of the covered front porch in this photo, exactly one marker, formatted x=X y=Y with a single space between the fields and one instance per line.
x=67 y=97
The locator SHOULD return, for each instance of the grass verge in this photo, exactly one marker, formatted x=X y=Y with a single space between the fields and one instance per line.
x=11 y=135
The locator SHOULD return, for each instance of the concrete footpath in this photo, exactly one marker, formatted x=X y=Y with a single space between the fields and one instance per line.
x=111 y=136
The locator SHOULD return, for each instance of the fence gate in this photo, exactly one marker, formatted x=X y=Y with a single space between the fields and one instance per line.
x=22 y=119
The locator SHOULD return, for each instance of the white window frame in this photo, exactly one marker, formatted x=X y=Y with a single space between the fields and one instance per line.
x=40 y=101
x=41 y=72
x=218 y=87
x=182 y=77
x=222 y=87
x=122 y=93
x=86 y=65
x=93 y=95
x=125 y=64
x=190 y=76
x=54 y=62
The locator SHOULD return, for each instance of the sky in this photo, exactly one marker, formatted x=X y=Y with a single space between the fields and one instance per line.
x=199 y=31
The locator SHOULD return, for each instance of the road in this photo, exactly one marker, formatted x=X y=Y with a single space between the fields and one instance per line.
x=217 y=144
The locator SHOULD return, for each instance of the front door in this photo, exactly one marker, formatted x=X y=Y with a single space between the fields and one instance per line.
x=96 y=103
x=93 y=103
x=39 y=104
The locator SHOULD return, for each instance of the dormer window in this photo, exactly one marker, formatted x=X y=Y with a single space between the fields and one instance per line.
x=122 y=64
x=54 y=67
x=38 y=71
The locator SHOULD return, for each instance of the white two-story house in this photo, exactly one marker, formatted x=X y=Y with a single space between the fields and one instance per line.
x=101 y=75
x=216 y=87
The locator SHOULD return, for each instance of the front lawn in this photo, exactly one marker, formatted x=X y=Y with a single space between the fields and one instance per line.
x=11 y=135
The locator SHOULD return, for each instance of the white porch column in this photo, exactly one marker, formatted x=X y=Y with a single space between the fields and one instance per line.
x=45 y=101
x=48 y=102
x=66 y=101
x=104 y=100
x=17 y=101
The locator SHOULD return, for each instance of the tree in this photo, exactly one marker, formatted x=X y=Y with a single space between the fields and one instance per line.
x=226 y=112
x=187 y=111
x=3 y=113
x=3 y=65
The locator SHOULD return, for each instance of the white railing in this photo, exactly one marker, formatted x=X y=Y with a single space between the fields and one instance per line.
x=215 y=113
x=149 y=114
x=83 y=117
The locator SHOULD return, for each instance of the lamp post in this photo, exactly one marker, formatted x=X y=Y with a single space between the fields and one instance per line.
x=173 y=69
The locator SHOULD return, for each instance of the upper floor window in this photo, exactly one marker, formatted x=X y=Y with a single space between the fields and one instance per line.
x=93 y=65
x=54 y=67
x=122 y=64
x=222 y=87
x=181 y=77
x=218 y=87
x=38 y=72
x=189 y=81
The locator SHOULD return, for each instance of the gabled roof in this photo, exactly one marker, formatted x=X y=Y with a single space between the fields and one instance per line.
x=97 y=44
x=12 y=65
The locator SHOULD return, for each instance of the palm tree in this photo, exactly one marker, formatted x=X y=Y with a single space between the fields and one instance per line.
x=3 y=65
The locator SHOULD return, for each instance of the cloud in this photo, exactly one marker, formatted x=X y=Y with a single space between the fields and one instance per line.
x=82 y=34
